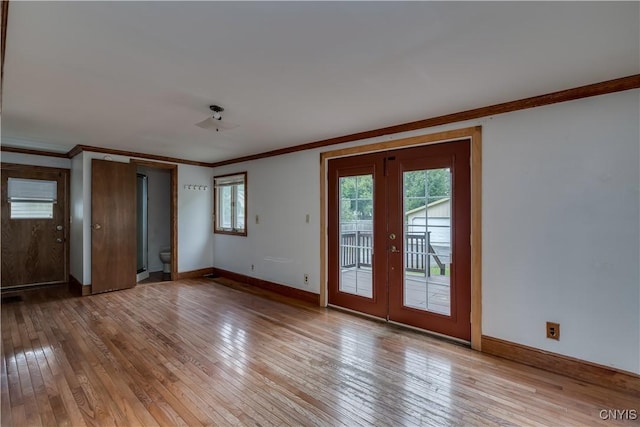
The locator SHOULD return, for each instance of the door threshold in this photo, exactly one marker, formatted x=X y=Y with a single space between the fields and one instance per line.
x=452 y=340
x=358 y=313
x=438 y=335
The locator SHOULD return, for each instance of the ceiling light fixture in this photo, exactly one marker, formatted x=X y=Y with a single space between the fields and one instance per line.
x=216 y=122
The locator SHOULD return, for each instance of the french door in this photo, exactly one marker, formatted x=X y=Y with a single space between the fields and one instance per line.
x=399 y=236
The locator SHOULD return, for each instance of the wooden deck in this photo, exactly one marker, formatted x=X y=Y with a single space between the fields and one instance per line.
x=196 y=352
x=426 y=293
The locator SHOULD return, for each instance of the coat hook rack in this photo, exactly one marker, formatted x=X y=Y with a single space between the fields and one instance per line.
x=196 y=187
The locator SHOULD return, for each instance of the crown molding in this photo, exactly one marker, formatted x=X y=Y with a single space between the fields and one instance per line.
x=596 y=89
x=21 y=150
x=81 y=148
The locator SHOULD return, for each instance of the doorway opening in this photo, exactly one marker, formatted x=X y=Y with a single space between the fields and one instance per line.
x=155 y=232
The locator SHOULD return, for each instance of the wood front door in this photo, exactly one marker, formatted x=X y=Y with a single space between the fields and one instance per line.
x=113 y=225
x=399 y=236
x=35 y=212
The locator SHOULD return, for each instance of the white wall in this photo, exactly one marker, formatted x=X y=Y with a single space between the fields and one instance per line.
x=159 y=213
x=566 y=248
x=195 y=228
x=76 y=245
x=282 y=247
x=553 y=247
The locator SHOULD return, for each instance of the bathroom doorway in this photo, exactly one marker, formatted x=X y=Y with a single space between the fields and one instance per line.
x=142 y=229
x=157 y=233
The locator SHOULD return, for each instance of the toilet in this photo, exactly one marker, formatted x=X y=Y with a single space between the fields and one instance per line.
x=165 y=257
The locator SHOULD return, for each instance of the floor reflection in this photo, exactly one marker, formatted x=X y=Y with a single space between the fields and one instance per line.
x=235 y=340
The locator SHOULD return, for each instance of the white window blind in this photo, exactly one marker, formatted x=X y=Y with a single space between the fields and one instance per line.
x=32 y=190
x=224 y=181
x=31 y=198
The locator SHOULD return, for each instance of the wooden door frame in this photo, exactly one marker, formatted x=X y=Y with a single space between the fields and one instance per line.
x=474 y=135
x=67 y=203
x=173 y=169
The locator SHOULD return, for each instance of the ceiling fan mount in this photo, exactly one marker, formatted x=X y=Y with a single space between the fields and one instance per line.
x=216 y=111
x=215 y=121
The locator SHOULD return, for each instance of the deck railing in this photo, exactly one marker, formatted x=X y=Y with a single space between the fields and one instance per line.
x=356 y=251
x=356 y=248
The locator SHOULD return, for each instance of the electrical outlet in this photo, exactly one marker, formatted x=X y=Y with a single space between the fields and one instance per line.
x=306 y=219
x=257 y=219
x=553 y=331
x=252 y=267
x=306 y=279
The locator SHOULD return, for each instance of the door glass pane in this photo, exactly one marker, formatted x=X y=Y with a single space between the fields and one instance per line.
x=427 y=239
x=356 y=235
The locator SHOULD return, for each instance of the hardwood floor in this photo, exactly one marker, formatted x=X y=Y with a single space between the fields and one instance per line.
x=197 y=352
x=155 y=277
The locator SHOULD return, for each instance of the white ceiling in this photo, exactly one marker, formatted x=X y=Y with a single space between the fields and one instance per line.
x=137 y=76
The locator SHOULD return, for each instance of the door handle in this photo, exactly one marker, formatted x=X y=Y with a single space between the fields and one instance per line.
x=393 y=248
x=96 y=226
x=59 y=240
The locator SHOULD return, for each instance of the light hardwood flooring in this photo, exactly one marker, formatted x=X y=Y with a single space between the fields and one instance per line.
x=196 y=352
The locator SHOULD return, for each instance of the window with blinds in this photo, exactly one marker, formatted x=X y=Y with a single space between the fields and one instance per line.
x=230 y=207
x=31 y=198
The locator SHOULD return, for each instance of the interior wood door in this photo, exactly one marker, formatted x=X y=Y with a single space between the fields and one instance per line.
x=34 y=228
x=113 y=225
x=399 y=236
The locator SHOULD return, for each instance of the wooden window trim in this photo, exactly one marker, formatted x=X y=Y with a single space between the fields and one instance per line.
x=233 y=232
